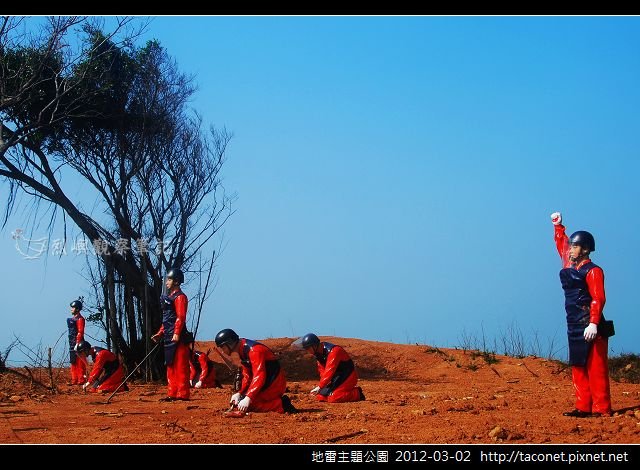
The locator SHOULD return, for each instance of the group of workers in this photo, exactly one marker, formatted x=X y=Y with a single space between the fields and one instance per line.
x=263 y=382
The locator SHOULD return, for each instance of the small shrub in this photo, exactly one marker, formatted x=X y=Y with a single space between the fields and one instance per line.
x=490 y=357
x=434 y=351
x=625 y=368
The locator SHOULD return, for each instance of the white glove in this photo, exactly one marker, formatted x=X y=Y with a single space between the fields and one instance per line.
x=235 y=398
x=590 y=332
x=556 y=218
x=85 y=386
x=75 y=348
x=315 y=390
x=244 y=404
x=198 y=384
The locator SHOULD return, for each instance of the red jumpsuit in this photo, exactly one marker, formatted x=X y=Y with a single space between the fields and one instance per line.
x=590 y=375
x=76 y=334
x=338 y=376
x=176 y=354
x=263 y=381
x=202 y=370
x=107 y=372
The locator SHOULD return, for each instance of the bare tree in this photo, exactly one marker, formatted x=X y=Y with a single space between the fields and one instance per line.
x=5 y=356
x=117 y=116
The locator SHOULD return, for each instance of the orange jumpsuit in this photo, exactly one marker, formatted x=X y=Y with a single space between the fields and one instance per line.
x=584 y=301
x=338 y=376
x=107 y=372
x=176 y=355
x=263 y=381
x=76 y=334
x=202 y=370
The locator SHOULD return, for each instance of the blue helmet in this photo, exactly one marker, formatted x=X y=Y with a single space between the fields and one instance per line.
x=176 y=274
x=583 y=239
x=310 y=340
x=227 y=336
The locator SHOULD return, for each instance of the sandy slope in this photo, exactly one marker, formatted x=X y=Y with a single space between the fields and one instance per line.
x=415 y=394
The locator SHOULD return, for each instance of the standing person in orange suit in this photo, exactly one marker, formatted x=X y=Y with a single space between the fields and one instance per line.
x=75 y=324
x=263 y=381
x=583 y=284
x=203 y=372
x=106 y=374
x=176 y=345
x=338 y=376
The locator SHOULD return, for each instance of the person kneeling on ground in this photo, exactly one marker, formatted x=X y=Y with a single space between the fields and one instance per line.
x=203 y=372
x=263 y=380
x=106 y=374
x=338 y=376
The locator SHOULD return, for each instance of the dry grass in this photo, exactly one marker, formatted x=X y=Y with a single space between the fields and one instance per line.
x=625 y=368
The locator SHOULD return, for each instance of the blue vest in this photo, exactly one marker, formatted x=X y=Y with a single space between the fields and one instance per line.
x=72 y=324
x=169 y=317
x=577 y=304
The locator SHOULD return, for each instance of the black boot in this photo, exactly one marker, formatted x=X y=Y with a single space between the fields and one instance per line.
x=577 y=413
x=287 y=406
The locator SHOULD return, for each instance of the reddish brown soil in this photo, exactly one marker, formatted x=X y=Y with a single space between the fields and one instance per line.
x=415 y=394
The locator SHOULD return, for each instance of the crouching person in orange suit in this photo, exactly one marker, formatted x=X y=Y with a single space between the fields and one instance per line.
x=338 y=376
x=106 y=374
x=203 y=372
x=263 y=380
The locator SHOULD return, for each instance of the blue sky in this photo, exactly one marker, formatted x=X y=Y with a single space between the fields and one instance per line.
x=395 y=176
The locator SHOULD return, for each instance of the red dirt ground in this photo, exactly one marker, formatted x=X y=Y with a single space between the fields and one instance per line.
x=415 y=394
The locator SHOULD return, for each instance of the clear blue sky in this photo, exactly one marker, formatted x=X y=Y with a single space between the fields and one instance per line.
x=395 y=176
